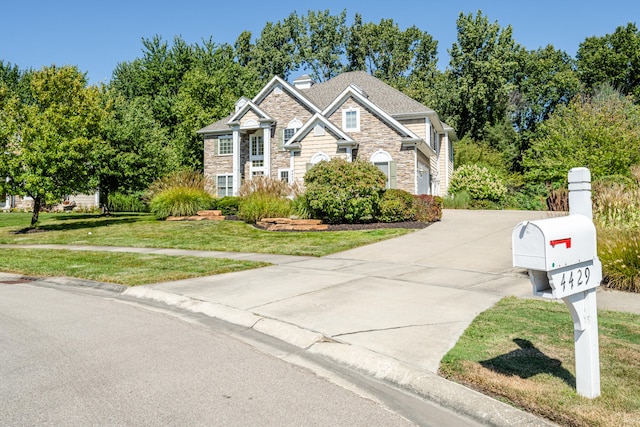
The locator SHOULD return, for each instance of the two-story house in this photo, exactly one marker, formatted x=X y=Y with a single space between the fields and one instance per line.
x=285 y=129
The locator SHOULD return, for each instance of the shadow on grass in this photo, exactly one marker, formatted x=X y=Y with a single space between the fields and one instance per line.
x=77 y=222
x=527 y=362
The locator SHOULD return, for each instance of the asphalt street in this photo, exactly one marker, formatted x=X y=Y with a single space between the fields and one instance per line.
x=81 y=356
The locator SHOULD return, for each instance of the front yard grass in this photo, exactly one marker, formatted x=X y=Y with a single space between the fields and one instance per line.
x=143 y=230
x=522 y=352
x=122 y=268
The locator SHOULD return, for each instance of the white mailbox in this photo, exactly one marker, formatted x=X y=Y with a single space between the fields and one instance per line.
x=560 y=254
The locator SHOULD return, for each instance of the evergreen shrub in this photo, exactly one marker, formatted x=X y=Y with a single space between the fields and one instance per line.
x=344 y=192
x=396 y=206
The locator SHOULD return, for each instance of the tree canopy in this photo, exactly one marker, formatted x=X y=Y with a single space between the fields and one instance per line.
x=533 y=111
x=601 y=132
x=47 y=145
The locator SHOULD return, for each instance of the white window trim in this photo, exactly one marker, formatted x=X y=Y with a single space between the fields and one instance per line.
x=288 y=171
x=229 y=140
x=382 y=157
x=228 y=184
x=344 y=119
x=318 y=157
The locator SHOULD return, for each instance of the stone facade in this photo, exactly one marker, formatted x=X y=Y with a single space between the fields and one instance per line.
x=375 y=135
x=283 y=108
x=414 y=150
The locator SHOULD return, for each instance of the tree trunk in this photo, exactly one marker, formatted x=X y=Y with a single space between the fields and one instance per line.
x=37 y=203
x=104 y=201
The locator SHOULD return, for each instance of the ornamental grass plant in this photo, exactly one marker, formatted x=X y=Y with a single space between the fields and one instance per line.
x=616 y=212
x=265 y=197
x=182 y=193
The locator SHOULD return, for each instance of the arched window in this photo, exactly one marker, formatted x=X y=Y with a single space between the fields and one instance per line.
x=318 y=157
x=385 y=163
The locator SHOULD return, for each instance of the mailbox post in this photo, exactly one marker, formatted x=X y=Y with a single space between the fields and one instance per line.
x=561 y=257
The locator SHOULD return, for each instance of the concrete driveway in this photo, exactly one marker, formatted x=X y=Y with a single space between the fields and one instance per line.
x=408 y=298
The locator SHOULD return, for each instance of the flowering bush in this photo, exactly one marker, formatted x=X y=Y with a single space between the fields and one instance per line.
x=479 y=182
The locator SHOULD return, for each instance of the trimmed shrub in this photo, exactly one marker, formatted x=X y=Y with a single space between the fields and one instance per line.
x=258 y=205
x=180 y=201
x=396 y=206
x=120 y=202
x=427 y=208
x=228 y=205
x=344 y=192
x=479 y=182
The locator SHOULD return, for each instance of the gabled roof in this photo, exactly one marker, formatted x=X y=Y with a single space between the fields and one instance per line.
x=277 y=81
x=361 y=97
x=387 y=98
x=249 y=105
x=308 y=127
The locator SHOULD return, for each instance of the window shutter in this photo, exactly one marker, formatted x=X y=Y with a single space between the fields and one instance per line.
x=309 y=166
x=215 y=146
x=393 y=176
x=280 y=139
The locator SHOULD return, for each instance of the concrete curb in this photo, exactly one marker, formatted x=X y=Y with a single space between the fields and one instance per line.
x=454 y=396
x=428 y=385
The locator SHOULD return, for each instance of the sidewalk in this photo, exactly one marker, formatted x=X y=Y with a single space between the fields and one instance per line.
x=391 y=309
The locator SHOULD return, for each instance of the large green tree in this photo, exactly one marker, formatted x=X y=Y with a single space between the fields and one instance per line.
x=134 y=150
x=544 y=79
x=47 y=145
x=320 y=42
x=480 y=75
x=614 y=59
x=601 y=132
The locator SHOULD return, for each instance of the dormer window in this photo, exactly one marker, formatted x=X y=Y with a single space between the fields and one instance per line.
x=351 y=120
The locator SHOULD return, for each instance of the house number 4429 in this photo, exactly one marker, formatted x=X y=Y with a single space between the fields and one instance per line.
x=575 y=278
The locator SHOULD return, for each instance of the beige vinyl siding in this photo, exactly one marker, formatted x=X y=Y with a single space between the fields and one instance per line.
x=249 y=115
x=310 y=146
x=417 y=126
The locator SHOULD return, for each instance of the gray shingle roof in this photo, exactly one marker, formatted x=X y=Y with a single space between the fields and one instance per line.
x=220 y=125
x=391 y=100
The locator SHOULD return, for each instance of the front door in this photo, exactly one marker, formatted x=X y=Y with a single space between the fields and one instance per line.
x=256 y=158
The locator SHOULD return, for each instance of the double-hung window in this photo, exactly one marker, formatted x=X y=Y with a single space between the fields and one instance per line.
x=351 y=120
x=224 y=185
x=283 y=174
x=288 y=133
x=225 y=145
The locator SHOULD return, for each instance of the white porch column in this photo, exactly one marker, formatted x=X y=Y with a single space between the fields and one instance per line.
x=266 y=137
x=236 y=161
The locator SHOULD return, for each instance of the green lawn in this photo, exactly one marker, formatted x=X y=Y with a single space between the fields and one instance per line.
x=141 y=230
x=122 y=268
x=522 y=351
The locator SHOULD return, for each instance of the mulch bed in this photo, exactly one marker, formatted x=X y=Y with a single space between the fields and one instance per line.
x=371 y=226
x=378 y=225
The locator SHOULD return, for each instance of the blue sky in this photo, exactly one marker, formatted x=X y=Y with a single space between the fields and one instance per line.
x=96 y=36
